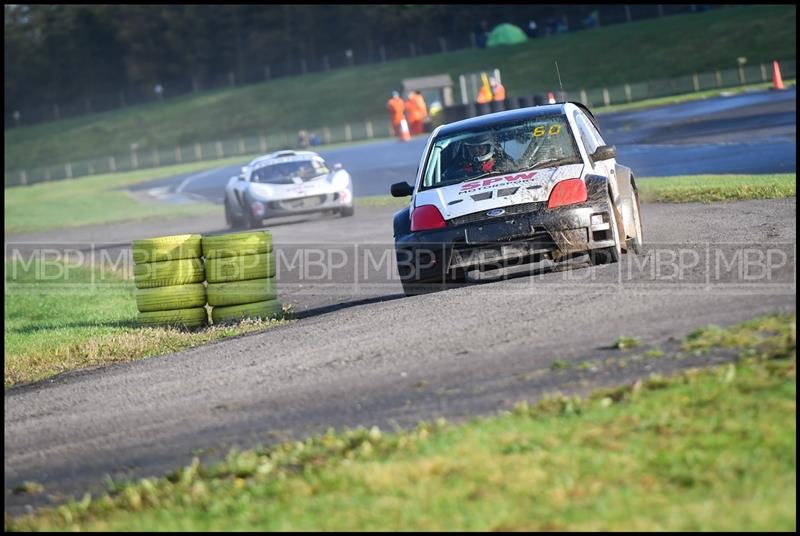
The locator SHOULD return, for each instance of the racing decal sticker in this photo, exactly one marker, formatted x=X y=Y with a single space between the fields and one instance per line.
x=494 y=182
x=553 y=130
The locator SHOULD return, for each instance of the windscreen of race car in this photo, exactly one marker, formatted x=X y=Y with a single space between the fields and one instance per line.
x=285 y=172
x=539 y=143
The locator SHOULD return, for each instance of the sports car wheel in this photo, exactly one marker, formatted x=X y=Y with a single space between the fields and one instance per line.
x=610 y=254
x=346 y=212
x=635 y=243
x=232 y=221
x=251 y=222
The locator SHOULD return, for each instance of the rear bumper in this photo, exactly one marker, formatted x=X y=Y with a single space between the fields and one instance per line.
x=510 y=239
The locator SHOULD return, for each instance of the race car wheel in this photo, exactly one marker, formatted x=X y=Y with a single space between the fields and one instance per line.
x=251 y=222
x=611 y=254
x=232 y=221
x=346 y=212
x=635 y=243
x=455 y=278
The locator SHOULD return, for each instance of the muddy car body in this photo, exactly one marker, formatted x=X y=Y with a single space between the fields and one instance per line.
x=552 y=189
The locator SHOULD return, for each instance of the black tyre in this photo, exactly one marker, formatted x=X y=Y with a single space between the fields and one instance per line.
x=610 y=254
x=232 y=221
x=347 y=212
x=635 y=244
x=454 y=279
x=251 y=222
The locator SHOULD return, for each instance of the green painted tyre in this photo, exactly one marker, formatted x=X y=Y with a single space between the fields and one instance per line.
x=241 y=268
x=190 y=318
x=169 y=273
x=263 y=309
x=240 y=292
x=170 y=298
x=237 y=244
x=167 y=248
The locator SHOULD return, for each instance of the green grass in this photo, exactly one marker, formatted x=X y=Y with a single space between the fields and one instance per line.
x=678 y=189
x=714 y=188
x=645 y=50
x=95 y=200
x=705 y=450
x=61 y=317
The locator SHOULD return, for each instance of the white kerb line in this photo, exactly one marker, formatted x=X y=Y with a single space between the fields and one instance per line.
x=190 y=178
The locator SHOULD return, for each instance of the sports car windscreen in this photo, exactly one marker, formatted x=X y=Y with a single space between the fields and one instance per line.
x=285 y=172
x=538 y=143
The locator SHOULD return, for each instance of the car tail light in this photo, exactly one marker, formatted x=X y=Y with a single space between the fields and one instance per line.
x=426 y=217
x=567 y=192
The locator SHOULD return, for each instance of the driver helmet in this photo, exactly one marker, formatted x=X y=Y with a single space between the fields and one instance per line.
x=479 y=149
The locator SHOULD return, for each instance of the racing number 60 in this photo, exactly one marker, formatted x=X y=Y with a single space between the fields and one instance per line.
x=554 y=130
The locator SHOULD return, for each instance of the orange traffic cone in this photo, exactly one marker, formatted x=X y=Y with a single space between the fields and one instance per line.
x=405 y=135
x=551 y=97
x=777 y=81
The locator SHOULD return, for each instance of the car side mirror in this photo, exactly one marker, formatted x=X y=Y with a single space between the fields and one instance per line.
x=604 y=152
x=401 y=189
x=337 y=166
x=241 y=177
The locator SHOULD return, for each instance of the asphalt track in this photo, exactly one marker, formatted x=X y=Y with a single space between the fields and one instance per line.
x=748 y=133
x=362 y=354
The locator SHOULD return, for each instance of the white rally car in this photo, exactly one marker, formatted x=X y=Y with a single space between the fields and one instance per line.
x=518 y=186
x=286 y=183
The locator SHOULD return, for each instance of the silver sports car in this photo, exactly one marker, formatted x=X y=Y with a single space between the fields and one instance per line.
x=286 y=183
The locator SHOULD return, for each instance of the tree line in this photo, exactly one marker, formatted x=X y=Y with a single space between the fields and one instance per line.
x=59 y=54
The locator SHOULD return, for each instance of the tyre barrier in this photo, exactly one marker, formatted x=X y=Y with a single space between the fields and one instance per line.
x=241 y=292
x=191 y=318
x=237 y=244
x=167 y=248
x=171 y=297
x=262 y=309
x=168 y=273
x=239 y=269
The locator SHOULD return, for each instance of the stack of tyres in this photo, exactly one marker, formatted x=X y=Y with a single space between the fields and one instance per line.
x=169 y=274
x=240 y=268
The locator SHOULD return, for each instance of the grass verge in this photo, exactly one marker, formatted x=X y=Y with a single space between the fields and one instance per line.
x=95 y=200
x=678 y=189
x=710 y=449
x=605 y=56
x=713 y=188
x=61 y=317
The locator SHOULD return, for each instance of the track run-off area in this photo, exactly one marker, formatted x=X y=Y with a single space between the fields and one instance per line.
x=361 y=353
